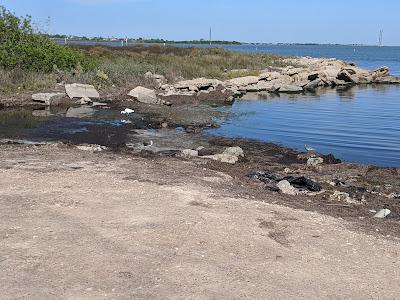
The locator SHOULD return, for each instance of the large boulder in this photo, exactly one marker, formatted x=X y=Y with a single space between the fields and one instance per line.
x=197 y=84
x=77 y=90
x=269 y=76
x=242 y=82
x=387 y=80
x=231 y=155
x=219 y=93
x=290 y=89
x=144 y=95
x=329 y=72
x=262 y=86
x=285 y=187
x=381 y=72
x=346 y=76
x=312 y=85
x=49 y=98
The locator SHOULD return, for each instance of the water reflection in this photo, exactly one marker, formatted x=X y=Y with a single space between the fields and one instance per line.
x=357 y=124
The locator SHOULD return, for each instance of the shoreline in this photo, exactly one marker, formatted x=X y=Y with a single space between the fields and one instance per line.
x=165 y=106
x=107 y=219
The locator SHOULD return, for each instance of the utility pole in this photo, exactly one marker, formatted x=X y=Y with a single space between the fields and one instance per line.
x=381 y=38
x=210 y=36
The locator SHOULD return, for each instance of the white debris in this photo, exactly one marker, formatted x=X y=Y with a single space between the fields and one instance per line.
x=127 y=111
x=383 y=213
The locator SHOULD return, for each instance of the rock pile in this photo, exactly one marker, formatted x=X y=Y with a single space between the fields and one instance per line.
x=304 y=74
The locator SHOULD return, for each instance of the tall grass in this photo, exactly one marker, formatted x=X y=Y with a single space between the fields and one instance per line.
x=122 y=64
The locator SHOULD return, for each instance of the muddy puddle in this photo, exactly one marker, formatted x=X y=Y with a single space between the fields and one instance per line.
x=106 y=127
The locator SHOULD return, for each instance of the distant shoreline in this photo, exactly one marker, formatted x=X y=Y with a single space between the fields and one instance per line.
x=78 y=39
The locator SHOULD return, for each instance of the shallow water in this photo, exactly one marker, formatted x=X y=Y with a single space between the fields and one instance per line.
x=87 y=125
x=357 y=125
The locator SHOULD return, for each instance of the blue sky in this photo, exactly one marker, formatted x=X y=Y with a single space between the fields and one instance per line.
x=338 y=21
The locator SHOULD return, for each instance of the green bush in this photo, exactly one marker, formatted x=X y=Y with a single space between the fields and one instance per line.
x=21 y=47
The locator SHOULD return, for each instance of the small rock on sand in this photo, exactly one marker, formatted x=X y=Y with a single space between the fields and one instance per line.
x=286 y=188
x=315 y=161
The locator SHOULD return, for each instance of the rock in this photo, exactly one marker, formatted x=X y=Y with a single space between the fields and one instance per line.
x=198 y=84
x=198 y=93
x=329 y=72
x=269 y=76
x=261 y=86
x=236 y=151
x=340 y=196
x=145 y=95
x=290 y=89
x=315 y=161
x=189 y=153
x=383 y=213
x=91 y=147
x=344 y=197
x=77 y=90
x=365 y=79
x=330 y=159
x=100 y=104
x=347 y=77
x=381 y=72
x=313 y=76
x=218 y=94
x=48 y=98
x=84 y=100
x=230 y=155
x=285 y=187
x=242 y=82
x=291 y=71
x=387 y=80
x=312 y=85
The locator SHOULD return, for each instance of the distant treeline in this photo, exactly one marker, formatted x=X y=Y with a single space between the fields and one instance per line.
x=140 y=40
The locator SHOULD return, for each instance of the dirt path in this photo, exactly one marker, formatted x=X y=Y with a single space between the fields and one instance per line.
x=78 y=225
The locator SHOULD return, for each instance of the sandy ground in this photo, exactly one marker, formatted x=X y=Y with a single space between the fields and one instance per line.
x=78 y=225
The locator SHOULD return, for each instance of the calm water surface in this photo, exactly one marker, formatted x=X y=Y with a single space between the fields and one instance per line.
x=357 y=125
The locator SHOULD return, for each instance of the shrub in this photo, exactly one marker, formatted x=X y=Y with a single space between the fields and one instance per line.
x=21 y=47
